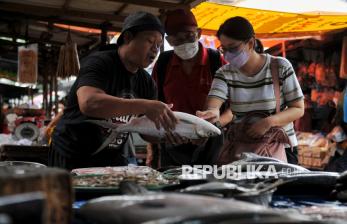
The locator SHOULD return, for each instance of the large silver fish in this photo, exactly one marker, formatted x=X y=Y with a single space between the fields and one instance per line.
x=188 y=126
x=173 y=208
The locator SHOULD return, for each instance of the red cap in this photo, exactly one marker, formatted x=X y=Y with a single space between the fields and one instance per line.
x=179 y=20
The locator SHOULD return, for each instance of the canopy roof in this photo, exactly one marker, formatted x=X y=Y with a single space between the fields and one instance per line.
x=269 y=24
x=47 y=22
x=293 y=6
x=40 y=18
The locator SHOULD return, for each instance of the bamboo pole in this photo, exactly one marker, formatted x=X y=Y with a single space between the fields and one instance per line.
x=56 y=100
x=284 y=49
x=51 y=82
x=45 y=92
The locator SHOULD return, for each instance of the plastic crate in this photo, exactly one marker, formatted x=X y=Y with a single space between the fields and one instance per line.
x=315 y=157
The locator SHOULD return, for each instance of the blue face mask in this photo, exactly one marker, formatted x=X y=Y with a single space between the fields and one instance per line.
x=237 y=59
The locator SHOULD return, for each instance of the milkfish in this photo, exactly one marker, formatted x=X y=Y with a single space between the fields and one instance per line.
x=298 y=180
x=261 y=163
x=188 y=126
x=155 y=208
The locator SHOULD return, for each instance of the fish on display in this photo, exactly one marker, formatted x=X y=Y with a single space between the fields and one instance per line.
x=133 y=209
x=262 y=163
x=188 y=126
x=252 y=157
x=298 y=180
x=310 y=181
x=231 y=188
x=257 y=193
x=343 y=178
x=341 y=187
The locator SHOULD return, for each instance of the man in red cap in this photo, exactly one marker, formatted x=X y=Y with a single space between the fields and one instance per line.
x=184 y=77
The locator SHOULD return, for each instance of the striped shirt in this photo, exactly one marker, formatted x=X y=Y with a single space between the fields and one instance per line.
x=256 y=93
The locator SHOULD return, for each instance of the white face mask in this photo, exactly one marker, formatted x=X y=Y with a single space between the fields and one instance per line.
x=187 y=51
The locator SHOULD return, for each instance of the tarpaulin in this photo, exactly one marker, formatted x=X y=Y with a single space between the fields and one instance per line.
x=268 y=24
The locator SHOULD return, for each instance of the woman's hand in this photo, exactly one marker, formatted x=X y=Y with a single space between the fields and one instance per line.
x=259 y=128
x=211 y=115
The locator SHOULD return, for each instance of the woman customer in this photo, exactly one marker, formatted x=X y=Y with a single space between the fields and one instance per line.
x=247 y=82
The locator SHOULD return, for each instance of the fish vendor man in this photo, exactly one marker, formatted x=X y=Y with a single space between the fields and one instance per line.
x=112 y=85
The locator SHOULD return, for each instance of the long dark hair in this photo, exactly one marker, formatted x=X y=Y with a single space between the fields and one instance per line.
x=237 y=28
x=258 y=46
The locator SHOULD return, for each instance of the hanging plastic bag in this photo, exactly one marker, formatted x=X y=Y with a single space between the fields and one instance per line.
x=27 y=64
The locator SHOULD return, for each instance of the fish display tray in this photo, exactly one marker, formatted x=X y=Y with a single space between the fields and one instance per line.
x=101 y=181
x=115 y=189
x=38 y=154
x=83 y=193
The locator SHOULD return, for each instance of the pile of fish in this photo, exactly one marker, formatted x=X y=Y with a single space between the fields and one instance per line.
x=139 y=205
x=186 y=173
x=260 y=193
x=194 y=204
x=253 y=169
x=178 y=208
x=297 y=180
x=327 y=212
x=113 y=176
x=341 y=187
x=188 y=126
x=251 y=161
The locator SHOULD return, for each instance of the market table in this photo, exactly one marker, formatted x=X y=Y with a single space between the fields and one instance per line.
x=37 y=153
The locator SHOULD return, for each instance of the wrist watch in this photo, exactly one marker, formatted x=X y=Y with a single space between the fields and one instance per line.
x=218 y=124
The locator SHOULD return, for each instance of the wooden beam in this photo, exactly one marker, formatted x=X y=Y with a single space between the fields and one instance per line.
x=82 y=24
x=49 y=11
x=151 y=3
x=284 y=49
x=193 y=3
x=30 y=39
x=120 y=9
x=103 y=35
x=75 y=33
x=38 y=41
x=66 y=5
x=57 y=20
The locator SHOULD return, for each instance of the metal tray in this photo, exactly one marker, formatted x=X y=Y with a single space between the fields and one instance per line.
x=84 y=193
x=22 y=163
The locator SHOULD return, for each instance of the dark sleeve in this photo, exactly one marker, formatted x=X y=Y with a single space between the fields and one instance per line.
x=93 y=73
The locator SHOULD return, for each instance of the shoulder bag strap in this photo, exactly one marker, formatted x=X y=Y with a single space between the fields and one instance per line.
x=276 y=82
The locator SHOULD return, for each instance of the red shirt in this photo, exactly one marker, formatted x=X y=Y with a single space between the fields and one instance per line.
x=187 y=93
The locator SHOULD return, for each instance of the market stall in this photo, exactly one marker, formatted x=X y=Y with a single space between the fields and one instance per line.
x=319 y=64
x=313 y=42
x=21 y=135
x=250 y=190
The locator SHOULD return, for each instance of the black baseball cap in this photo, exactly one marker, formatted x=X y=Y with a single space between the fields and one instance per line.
x=140 y=21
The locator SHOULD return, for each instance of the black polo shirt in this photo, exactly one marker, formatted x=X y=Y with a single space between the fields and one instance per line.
x=104 y=70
